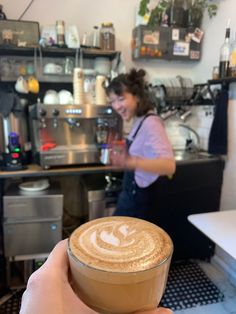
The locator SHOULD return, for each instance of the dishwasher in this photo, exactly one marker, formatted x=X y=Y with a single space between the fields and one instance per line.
x=32 y=224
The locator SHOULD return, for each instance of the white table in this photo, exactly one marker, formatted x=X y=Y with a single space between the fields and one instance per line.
x=220 y=227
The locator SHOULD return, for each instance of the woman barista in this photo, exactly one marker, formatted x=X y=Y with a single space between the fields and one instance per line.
x=149 y=153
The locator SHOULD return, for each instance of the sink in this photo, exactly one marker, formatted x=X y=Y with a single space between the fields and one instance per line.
x=184 y=155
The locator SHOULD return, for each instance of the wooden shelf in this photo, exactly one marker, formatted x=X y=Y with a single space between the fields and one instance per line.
x=34 y=170
x=56 y=52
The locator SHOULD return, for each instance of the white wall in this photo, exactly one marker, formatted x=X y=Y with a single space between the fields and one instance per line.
x=87 y=13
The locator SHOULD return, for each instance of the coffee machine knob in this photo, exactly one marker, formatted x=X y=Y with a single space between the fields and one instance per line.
x=42 y=113
x=55 y=112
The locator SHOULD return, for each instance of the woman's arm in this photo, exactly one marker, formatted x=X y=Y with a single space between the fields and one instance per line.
x=161 y=166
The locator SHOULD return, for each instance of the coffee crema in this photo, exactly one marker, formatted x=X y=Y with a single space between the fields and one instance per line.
x=120 y=244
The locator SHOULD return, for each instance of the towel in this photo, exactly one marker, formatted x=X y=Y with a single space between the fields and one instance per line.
x=218 y=134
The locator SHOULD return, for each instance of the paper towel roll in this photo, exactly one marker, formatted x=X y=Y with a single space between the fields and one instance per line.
x=78 y=86
x=101 y=98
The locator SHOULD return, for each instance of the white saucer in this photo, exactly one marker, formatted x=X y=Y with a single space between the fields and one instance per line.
x=34 y=186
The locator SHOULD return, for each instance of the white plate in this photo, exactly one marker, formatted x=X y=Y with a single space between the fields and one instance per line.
x=34 y=186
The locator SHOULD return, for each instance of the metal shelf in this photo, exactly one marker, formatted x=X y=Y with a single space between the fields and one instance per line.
x=223 y=81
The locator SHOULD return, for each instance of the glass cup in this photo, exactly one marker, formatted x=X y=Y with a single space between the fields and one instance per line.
x=68 y=66
x=118 y=153
x=119 y=264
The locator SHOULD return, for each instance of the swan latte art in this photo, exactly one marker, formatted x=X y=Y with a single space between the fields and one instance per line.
x=119 y=264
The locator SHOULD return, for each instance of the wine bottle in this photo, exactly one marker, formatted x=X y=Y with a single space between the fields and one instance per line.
x=225 y=52
x=232 y=64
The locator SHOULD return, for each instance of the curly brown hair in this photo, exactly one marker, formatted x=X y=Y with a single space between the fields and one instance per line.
x=134 y=83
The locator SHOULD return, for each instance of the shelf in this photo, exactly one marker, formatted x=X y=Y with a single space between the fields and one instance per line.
x=56 y=52
x=42 y=79
x=226 y=80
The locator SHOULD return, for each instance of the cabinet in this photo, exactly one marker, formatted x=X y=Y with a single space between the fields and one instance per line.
x=195 y=188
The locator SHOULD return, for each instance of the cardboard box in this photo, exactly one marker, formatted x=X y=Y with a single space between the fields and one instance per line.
x=19 y=33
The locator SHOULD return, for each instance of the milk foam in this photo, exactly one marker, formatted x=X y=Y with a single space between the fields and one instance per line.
x=120 y=244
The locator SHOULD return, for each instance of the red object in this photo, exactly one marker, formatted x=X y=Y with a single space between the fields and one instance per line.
x=48 y=146
x=15 y=155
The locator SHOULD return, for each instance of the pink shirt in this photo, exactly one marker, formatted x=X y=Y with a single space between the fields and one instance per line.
x=151 y=142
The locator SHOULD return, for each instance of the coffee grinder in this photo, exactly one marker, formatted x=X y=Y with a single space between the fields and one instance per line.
x=15 y=146
x=13 y=158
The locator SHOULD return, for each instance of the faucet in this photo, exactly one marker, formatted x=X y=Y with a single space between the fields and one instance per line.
x=168 y=113
x=189 y=143
x=185 y=115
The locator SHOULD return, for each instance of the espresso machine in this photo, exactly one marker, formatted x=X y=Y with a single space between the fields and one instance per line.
x=72 y=134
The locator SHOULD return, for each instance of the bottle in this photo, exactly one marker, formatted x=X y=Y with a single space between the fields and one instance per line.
x=60 y=30
x=107 y=36
x=96 y=37
x=2 y=14
x=233 y=58
x=225 y=52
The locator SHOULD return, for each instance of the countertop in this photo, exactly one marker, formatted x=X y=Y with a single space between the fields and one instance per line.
x=219 y=227
x=34 y=170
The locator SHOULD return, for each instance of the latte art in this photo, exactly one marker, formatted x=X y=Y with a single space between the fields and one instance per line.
x=120 y=244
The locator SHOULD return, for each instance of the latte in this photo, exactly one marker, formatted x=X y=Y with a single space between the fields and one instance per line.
x=120 y=264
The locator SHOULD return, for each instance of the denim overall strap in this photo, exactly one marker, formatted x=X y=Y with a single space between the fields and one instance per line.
x=133 y=200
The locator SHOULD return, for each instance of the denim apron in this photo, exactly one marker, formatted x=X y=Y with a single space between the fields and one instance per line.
x=134 y=201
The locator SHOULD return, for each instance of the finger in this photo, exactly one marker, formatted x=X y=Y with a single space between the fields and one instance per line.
x=159 y=310
x=58 y=258
x=162 y=310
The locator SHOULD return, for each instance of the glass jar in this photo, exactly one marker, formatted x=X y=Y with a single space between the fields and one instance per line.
x=107 y=36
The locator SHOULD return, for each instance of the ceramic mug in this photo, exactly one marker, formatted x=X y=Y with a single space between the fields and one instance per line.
x=51 y=98
x=65 y=97
x=33 y=85
x=53 y=68
x=21 y=85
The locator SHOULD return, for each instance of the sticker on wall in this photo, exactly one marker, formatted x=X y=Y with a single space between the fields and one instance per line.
x=181 y=48
x=197 y=35
x=175 y=34
x=151 y=38
x=194 y=55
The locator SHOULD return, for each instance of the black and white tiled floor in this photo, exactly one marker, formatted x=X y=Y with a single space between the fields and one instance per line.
x=188 y=286
x=228 y=305
x=192 y=290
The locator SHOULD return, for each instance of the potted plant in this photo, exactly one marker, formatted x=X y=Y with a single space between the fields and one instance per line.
x=156 y=9
x=196 y=10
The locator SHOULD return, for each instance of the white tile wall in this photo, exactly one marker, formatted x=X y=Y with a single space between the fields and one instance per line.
x=200 y=120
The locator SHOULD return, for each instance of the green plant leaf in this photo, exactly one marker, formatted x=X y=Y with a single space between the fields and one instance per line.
x=143 y=9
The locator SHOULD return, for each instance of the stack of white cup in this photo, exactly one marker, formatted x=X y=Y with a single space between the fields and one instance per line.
x=101 y=98
x=78 y=86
